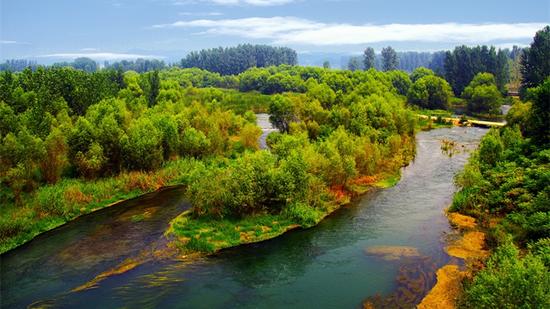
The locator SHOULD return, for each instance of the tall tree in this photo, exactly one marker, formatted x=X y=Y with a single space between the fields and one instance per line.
x=482 y=95
x=430 y=92
x=389 y=59
x=463 y=63
x=354 y=64
x=369 y=58
x=154 y=87
x=536 y=60
x=540 y=114
x=85 y=64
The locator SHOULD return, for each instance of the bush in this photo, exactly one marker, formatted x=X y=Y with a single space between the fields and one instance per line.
x=143 y=146
x=490 y=149
x=430 y=92
x=509 y=281
x=302 y=214
x=194 y=143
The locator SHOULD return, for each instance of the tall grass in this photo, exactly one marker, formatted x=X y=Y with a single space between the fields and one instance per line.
x=53 y=205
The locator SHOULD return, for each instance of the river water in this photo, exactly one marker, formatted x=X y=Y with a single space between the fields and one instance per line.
x=388 y=242
x=262 y=121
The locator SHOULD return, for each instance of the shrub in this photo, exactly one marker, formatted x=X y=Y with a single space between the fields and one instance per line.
x=302 y=214
x=509 y=281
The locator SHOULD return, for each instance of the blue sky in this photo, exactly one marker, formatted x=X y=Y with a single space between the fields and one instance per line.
x=49 y=30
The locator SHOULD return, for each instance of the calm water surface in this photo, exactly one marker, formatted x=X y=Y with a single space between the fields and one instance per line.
x=322 y=267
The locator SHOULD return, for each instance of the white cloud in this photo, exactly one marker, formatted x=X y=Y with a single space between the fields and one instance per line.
x=89 y=49
x=200 y=13
x=10 y=42
x=99 y=56
x=292 y=30
x=252 y=2
x=236 y=2
x=511 y=45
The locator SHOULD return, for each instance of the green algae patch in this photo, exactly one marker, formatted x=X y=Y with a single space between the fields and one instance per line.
x=388 y=181
x=208 y=235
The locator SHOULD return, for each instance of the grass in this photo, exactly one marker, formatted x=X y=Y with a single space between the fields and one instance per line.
x=51 y=206
x=207 y=235
x=388 y=181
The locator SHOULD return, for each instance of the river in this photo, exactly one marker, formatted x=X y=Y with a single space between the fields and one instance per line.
x=336 y=264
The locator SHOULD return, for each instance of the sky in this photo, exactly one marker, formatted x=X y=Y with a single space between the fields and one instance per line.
x=53 y=30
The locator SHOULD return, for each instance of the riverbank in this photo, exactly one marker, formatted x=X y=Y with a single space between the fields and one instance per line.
x=206 y=236
x=52 y=206
x=469 y=247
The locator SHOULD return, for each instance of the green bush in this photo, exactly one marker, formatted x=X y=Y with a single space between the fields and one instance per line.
x=302 y=214
x=509 y=281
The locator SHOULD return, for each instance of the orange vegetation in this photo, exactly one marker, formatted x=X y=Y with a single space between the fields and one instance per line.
x=469 y=246
x=125 y=266
x=73 y=195
x=365 y=180
x=444 y=294
x=144 y=181
x=461 y=221
x=338 y=191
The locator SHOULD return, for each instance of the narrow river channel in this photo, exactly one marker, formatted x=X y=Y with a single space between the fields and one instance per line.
x=354 y=254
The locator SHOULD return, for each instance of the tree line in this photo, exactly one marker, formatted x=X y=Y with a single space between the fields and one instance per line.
x=234 y=60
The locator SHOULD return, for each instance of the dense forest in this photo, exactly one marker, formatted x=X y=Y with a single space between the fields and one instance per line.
x=95 y=136
x=234 y=60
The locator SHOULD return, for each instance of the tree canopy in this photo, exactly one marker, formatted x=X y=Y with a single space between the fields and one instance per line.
x=535 y=60
x=234 y=60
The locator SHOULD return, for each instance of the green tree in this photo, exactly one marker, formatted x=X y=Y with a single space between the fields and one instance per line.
x=482 y=95
x=540 y=115
x=509 y=281
x=420 y=72
x=194 y=143
x=354 y=64
x=56 y=156
x=490 y=148
x=369 y=58
x=400 y=81
x=430 y=92
x=535 y=64
x=20 y=156
x=281 y=113
x=91 y=163
x=142 y=145
x=154 y=87
x=390 y=61
x=84 y=64
x=326 y=64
